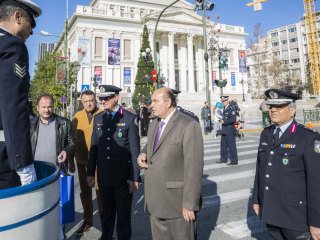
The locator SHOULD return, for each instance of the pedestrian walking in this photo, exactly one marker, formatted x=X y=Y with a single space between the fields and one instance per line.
x=266 y=121
x=228 y=131
x=115 y=146
x=217 y=116
x=143 y=118
x=83 y=126
x=206 y=118
x=286 y=188
x=17 y=19
x=172 y=192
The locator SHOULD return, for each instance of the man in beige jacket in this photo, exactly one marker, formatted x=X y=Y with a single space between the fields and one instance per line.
x=173 y=163
x=83 y=125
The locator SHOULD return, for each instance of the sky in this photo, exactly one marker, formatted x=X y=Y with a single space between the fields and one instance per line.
x=275 y=13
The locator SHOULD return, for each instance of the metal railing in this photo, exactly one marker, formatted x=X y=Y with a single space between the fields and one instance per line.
x=311 y=115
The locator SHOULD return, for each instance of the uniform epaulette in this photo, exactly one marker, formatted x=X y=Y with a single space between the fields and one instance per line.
x=306 y=128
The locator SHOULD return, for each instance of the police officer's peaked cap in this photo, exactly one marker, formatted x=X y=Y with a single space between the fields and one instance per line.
x=30 y=7
x=175 y=91
x=280 y=97
x=108 y=90
x=224 y=98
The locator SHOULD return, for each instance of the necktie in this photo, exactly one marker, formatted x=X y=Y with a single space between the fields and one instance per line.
x=158 y=134
x=276 y=137
x=109 y=116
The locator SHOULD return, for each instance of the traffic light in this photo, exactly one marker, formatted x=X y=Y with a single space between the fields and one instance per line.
x=210 y=6
x=199 y=3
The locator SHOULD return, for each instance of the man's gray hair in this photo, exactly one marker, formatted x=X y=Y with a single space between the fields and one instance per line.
x=6 y=11
x=292 y=105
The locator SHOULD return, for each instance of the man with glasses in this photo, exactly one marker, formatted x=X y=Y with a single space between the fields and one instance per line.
x=286 y=188
x=115 y=146
x=17 y=19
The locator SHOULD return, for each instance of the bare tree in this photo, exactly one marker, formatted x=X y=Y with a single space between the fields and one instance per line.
x=258 y=55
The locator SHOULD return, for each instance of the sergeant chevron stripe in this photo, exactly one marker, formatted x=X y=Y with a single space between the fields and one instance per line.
x=20 y=69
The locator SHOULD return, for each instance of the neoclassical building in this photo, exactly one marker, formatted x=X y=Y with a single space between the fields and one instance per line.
x=105 y=38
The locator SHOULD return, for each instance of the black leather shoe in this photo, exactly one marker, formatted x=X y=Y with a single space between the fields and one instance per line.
x=220 y=161
x=84 y=227
x=232 y=163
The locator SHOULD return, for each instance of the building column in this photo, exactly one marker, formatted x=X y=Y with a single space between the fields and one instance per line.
x=172 y=81
x=190 y=64
x=200 y=65
x=164 y=57
x=183 y=64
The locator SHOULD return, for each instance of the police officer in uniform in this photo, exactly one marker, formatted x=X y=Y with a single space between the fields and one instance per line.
x=115 y=146
x=286 y=189
x=228 y=131
x=184 y=111
x=17 y=19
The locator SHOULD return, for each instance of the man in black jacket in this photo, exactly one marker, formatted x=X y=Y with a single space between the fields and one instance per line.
x=286 y=188
x=52 y=136
x=17 y=19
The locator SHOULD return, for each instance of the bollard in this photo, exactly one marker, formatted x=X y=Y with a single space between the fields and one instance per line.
x=309 y=124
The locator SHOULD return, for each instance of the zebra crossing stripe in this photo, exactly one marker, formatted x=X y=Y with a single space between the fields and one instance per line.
x=217 y=156
x=217 y=166
x=223 y=198
x=229 y=177
x=243 y=228
x=238 y=143
x=238 y=147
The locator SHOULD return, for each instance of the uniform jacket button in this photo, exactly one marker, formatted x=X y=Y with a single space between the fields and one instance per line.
x=266 y=188
x=17 y=156
x=269 y=163
x=267 y=176
x=271 y=152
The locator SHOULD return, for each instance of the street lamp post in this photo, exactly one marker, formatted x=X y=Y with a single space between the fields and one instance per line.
x=76 y=67
x=242 y=83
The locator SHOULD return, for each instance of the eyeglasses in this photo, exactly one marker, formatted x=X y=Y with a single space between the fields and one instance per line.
x=277 y=107
x=106 y=98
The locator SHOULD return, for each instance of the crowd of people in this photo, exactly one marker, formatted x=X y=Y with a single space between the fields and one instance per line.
x=105 y=144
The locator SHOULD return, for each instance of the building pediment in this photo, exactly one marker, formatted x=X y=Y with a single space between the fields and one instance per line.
x=181 y=16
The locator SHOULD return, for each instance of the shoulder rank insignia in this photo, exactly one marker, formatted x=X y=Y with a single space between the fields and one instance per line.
x=317 y=146
x=1 y=34
x=20 y=69
x=291 y=146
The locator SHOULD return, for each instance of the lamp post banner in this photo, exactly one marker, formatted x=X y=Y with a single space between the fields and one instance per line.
x=233 y=79
x=84 y=51
x=114 y=52
x=127 y=76
x=242 y=61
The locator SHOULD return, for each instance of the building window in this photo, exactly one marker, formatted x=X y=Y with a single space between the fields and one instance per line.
x=285 y=52
x=296 y=60
x=284 y=41
x=194 y=52
x=276 y=53
x=293 y=29
x=98 y=47
x=283 y=32
x=293 y=50
x=285 y=61
x=274 y=44
x=292 y=40
x=175 y=51
x=274 y=34
x=127 y=49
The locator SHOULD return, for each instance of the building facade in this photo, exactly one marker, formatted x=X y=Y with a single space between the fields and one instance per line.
x=45 y=48
x=105 y=38
x=285 y=58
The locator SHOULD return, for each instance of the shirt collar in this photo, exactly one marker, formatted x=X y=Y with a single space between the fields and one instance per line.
x=114 y=111
x=285 y=126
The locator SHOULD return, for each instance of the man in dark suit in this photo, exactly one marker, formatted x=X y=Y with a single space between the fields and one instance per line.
x=115 y=146
x=17 y=19
x=173 y=163
x=228 y=131
x=286 y=188
x=143 y=118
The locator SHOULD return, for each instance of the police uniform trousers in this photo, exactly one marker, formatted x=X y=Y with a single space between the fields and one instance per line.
x=8 y=178
x=278 y=233
x=228 y=141
x=172 y=229
x=86 y=196
x=116 y=201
